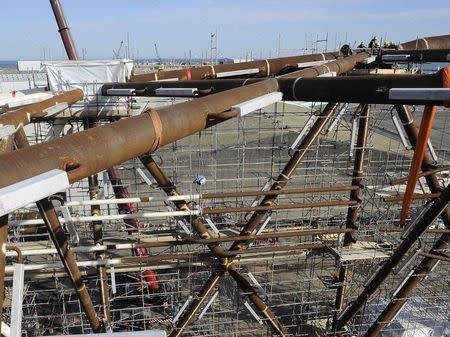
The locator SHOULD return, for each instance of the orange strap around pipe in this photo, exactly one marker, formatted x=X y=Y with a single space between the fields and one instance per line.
x=424 y=133
x=446 y=82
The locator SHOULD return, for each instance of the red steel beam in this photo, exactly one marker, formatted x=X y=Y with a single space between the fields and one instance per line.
x=64 y=30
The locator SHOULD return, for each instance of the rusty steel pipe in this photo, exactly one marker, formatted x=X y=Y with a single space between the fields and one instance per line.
x=201 y=255
x=204 y=87
x=356 y=196
x=417 y=229
x=59 y=239
x=97 y=230
x=271 y=207
x=69 y=261
x=17 y=250
x=287 y=171
x=414 y=197
x=169 y=188
x=431 y=42
x=207 y=87
x=196 y=304
x=422 y=174
x=338 y=66
x=198 y=225
x=398 y=230
x=110 y=247
x=267 y=67
x=248 y=289
x=341 y=188
x=358 y=172
x=436 y=256
x=256 y=218
x=64 y=30
x=24 y=115
x=85 y=153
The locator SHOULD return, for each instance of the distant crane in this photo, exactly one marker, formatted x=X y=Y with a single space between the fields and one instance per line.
x=160 y=62
x=117 y=54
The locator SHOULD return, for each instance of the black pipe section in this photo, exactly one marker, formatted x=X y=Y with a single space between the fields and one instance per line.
x=425 y=55
x=357 y=89
x=350 y=89
x=205 y=87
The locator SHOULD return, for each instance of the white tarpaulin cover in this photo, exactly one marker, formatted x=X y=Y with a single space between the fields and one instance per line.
x=86 y=75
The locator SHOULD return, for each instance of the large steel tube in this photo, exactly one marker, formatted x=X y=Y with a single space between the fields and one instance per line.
x=417 y=229
x=196 y=304
x=207 y=87
x=264 y=68
x=64 y=30
x=356 y=196
x=91 y=151
x=69 y=261
x=431 y=42
x=338 y=66
x=305 y=86
x=97 y=230
x=357 y=89
x=24 y=115
x=423 y=55
x=109 y=248
x=262 y=307
x=169 y=188
x=358 y=172
x=400 y=181
x=59 y=238
x=283 y=178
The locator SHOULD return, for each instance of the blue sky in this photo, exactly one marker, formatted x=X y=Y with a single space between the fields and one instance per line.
x=28 y=26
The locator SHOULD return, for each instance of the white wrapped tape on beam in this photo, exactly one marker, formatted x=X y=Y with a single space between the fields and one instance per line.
x=30 y=190
x=120 y=92
x=246 y=107
x=167 y=79
x=238 y=72
x=188 y=92
x=399 y=57
x=420 y=94
x=368 y=60
x=56 y=109
x=311 y=64
x=328 y=74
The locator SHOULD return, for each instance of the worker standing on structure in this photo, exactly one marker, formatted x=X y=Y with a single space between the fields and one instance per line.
x=374 y=43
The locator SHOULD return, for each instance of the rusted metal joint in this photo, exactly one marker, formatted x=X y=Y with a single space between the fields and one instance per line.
x=17 y=250
x=185 y=208
x=157 y=127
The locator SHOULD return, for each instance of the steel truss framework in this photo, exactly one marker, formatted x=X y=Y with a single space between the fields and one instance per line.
x=309 y=281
